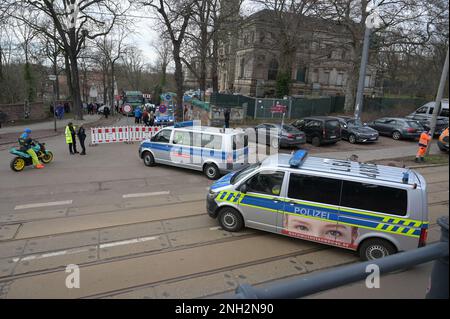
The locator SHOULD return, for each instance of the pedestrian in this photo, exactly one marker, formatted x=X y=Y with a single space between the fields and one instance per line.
x=82 y=137
x=106 y=111
x=66 y=108
x=70 y=138
x=424 y=141
x=146 y=117
x=152 y=118
x=227 y=118
x=137 y=115
x=3 y=117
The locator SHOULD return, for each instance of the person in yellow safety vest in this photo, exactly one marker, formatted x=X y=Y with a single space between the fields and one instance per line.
x=70 y=137
x=26 y=142
x=424 y=141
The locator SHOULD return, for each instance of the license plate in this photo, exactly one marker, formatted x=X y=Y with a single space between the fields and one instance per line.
x=299 y=137
x=373 y=138
x=334 y=136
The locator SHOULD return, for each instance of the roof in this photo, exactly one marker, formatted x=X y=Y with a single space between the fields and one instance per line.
x=208 y=129
x=321 y=117
x=338 y=168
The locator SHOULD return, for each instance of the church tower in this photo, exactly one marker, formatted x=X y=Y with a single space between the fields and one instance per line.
x=230 y=21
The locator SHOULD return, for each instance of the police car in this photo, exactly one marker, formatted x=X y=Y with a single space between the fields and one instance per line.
x=374 y=210
x=193 y=146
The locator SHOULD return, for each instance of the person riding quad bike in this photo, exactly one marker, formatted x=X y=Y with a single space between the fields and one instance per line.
x=26 y=143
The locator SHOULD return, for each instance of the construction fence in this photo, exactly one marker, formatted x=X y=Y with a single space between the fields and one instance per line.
x=258 y=108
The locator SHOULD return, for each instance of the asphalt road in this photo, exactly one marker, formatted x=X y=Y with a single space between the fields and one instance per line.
x=140 y=232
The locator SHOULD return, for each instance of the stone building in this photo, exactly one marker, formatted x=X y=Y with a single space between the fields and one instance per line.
x=249 y=57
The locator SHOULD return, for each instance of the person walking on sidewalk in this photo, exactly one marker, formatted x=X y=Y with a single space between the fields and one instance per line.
x=26 y=142
x=424 y=141
x=82 y=137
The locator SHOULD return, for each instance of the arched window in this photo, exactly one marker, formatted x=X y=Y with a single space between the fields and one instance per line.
x=273 y=70
x=242 y=68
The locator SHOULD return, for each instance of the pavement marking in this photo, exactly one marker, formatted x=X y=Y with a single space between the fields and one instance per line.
x=127 y=242
x=49 y=255
x=36 y=205
x=81 y=250
x=145 y=194
x=216 y=228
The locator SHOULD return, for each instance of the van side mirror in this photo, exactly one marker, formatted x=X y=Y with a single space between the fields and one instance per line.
x=243 y=189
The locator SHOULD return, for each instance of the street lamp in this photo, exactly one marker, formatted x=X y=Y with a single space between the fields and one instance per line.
x=373 y=21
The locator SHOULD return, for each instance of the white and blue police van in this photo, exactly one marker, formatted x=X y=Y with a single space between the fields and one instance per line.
x=214 y=151
x=372 y=209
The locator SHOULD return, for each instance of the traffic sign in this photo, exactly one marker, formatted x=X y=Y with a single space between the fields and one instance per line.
x=52 y=77
x=127 y=108
x=168 y=97
x=162 y=108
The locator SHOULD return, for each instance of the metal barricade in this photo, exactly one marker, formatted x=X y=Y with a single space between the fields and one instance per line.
x=311 y=284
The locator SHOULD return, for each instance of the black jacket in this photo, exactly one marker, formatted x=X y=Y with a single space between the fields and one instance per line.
x=81 y=133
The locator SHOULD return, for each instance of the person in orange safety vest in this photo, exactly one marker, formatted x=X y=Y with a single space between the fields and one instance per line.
x=424 y=141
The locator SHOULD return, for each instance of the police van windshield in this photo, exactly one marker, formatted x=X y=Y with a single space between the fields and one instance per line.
x=241 y=174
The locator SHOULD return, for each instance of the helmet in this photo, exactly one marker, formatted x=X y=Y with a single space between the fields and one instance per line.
x=27 y=130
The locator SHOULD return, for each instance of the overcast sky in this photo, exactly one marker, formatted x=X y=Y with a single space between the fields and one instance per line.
x=145 y=32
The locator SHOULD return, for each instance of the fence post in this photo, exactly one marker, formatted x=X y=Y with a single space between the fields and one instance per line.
x=256 y=108
x=439 y=275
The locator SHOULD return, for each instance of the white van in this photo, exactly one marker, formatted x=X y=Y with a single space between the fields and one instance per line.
x=424 y=115
x=212 y=150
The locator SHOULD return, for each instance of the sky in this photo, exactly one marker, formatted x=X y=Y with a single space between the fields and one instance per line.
x=145 y=32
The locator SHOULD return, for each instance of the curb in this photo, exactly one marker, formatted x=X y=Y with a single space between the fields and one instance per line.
x=430 y=165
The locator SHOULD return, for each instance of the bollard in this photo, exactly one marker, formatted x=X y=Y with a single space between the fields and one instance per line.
x=438 y=288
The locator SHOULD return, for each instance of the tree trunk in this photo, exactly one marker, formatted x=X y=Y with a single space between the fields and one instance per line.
x=76 y=97
x=352 y=80
x=112 y=89
x=68 y=75
x=179 y=82
x=215 y=64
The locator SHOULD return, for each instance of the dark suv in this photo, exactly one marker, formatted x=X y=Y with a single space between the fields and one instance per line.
x=320 y=130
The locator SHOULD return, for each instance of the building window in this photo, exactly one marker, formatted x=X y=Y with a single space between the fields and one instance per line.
x=301 y=74
x=367 y=82
x=273 y=70
x=340 y=79
x=242 y=68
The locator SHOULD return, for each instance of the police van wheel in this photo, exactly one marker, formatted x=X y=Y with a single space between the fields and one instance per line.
x=211 y=171
x=231 y=220
x=149 y=160
x=372 y=249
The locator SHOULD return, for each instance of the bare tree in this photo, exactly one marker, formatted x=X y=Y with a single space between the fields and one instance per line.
x=75 y=21
x=174 y=15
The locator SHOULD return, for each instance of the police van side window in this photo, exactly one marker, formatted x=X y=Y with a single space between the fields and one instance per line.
x=314 y=189
x=267 y=183
x=163 y=136
x=375 y=198
x=182 y=138
x=444 y=112
x=212 y=141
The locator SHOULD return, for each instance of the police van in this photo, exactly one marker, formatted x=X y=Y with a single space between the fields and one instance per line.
x=374 y=210
x=212 y=150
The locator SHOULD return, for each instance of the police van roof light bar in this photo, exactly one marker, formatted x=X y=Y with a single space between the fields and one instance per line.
x=298 y=158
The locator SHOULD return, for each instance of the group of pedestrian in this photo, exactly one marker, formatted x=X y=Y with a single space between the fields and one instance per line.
x=91 y=108
x=71 y=140
x=146 y=117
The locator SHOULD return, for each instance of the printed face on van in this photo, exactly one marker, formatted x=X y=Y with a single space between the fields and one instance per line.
x=320 y=231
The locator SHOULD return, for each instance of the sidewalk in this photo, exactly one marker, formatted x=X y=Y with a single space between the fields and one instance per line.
x=373 y=155
x=9 y=135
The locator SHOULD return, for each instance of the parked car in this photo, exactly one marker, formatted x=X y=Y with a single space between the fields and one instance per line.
x=441 y=123
x=443 y=141
x=278 y=135
x=320 y=130
x=398 y=128
x=356 y=131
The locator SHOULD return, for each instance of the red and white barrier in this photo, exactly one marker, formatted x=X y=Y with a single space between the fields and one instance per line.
x=106 y=135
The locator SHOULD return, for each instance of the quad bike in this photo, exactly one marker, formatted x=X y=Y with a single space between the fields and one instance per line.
x=23 y=159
